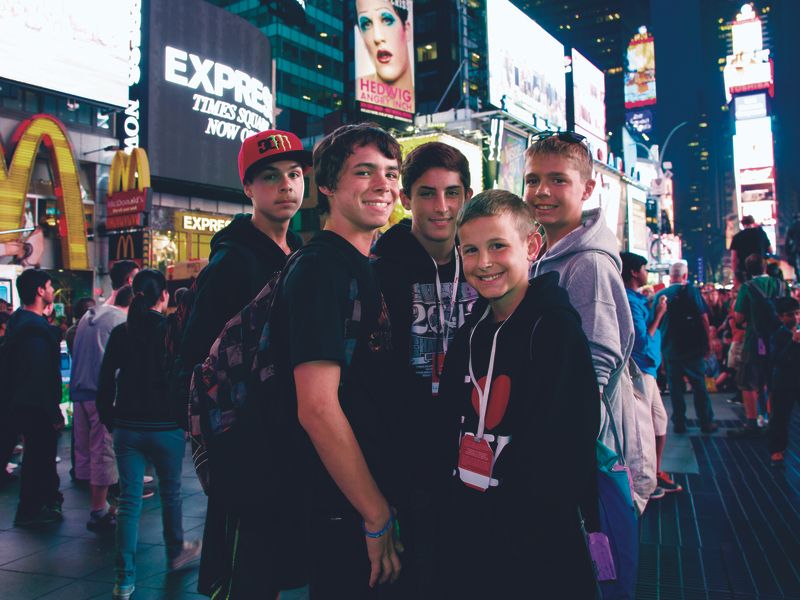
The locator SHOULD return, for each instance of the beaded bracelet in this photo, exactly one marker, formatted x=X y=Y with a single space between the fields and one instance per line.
x=382 y=532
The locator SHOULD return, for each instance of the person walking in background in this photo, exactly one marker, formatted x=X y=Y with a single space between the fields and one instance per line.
x=33 y=381
x=80 y=309
x=684 y=331
x=753 y=375
x=94 y=448
x=785 y=355
x=752 y=239
x=132 y=401
x=647 y=356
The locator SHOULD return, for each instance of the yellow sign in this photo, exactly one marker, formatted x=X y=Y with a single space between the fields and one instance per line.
x=15 y=180
x=129 y=171
x=125 y=247
x=200 y=222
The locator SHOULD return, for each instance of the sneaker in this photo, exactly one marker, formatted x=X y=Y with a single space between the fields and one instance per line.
x=665 y=482
x=108 y=522
x=189 y=553
x=748 y=431
x=43 y=516
x=776 y=459
x=122 y=592
x=148 y=479
x=710 y=428
x=658 y=493
x=762 y=421
x=148 y=492
x=735 y=400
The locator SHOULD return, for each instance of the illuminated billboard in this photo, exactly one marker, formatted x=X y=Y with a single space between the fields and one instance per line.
x=642 y=120
x=640 y=71
x=589 y=86
x=752 y=144
x=638 y=232
x=77 y=48
x=526 y=67
x=753 y=106
x=209 y=87
x=384 y=57
x=511 y=166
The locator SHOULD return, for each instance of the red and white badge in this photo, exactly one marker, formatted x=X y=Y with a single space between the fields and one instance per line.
x=475 y=461
x=437 y=367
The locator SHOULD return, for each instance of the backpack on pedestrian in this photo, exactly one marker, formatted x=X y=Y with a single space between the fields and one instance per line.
x=687 y=329
x=232 y=394
x=763 y=313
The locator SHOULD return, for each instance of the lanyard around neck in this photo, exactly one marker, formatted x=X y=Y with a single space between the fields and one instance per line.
x=445 y=324
x=483 y=394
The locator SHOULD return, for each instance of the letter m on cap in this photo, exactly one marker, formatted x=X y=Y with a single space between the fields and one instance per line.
x=15 y=179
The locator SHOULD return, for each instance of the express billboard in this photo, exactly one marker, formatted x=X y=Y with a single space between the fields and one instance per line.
x=640 y=71
x=526 y=67
x=76 y=48
x=384 y=57
x=209 y=87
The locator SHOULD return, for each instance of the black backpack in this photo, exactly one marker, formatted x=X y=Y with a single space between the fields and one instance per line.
x=233 y=394
x=762 y=311
x=687 y=328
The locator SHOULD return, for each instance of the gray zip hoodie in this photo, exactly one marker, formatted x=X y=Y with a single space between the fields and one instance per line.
x=88 y=349
x=589 y=267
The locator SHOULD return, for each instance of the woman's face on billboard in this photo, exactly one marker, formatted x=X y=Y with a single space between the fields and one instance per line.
x=385 y=36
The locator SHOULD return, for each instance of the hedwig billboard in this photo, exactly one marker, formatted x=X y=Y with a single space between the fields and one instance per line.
x=208 y=87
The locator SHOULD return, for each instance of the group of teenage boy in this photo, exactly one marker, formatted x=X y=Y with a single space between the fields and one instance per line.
x=445 y=382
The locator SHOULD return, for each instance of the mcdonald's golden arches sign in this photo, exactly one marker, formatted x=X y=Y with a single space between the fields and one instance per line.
x=16 y=170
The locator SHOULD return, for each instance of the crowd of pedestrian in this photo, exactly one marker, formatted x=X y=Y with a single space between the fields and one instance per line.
x=451 y=407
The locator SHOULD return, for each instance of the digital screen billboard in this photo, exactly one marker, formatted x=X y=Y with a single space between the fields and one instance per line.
x=76 y=48
x=642 y=120
x=640 y=71
x=752 y=144
x=638 y=232
x=511 y=175
x=526 y=67
x=209 y=87
x=384 y=57
x=589 y=85
x=753 y=106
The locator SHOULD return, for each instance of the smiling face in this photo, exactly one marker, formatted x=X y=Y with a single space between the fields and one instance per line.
x=277 y=190
x=436 y=198
x=366 y=190
x=556 y=191
x=386 y=38
x=497 y=259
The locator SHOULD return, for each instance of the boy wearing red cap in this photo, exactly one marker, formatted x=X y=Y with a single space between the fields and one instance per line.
x=244 y=257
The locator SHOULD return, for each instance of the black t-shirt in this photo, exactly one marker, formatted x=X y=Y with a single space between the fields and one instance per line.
x=749 y=241
x=331 y=309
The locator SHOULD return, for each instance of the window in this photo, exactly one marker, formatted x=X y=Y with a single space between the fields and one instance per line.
x=427 y=52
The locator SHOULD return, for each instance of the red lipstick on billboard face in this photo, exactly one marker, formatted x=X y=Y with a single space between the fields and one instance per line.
x=385 y=36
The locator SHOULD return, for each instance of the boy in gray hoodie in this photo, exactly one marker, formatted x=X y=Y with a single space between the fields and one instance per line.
x=584 y=252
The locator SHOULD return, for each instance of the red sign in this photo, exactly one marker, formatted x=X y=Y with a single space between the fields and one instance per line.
x=126 y=203
x=125 y=221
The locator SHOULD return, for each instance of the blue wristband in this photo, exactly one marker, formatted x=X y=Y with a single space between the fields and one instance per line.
x=382 y=532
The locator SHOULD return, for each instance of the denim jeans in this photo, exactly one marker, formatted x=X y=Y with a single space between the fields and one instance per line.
x=165 y=449
x=694 y=370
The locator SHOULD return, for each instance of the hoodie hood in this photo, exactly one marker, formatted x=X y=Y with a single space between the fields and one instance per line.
x=106 y=316
x=593 y=235
x=402 y=248
x=241 y=232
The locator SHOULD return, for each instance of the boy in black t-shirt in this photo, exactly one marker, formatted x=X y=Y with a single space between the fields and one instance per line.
x=334 y=321
x=428 y=300
x=523 y=397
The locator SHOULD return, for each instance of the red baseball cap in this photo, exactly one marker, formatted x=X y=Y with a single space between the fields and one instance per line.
x=270 y=146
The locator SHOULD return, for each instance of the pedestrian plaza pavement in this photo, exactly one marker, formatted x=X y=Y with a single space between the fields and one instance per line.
x=733 y=533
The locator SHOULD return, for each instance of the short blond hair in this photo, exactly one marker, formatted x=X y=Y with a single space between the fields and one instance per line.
x=578 y=153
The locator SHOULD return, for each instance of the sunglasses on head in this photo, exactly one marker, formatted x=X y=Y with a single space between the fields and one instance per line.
x=565 y=136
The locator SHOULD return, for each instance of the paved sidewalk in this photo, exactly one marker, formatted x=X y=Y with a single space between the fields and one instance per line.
x=735 y=530
x=67 y=561
x=733 y=533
